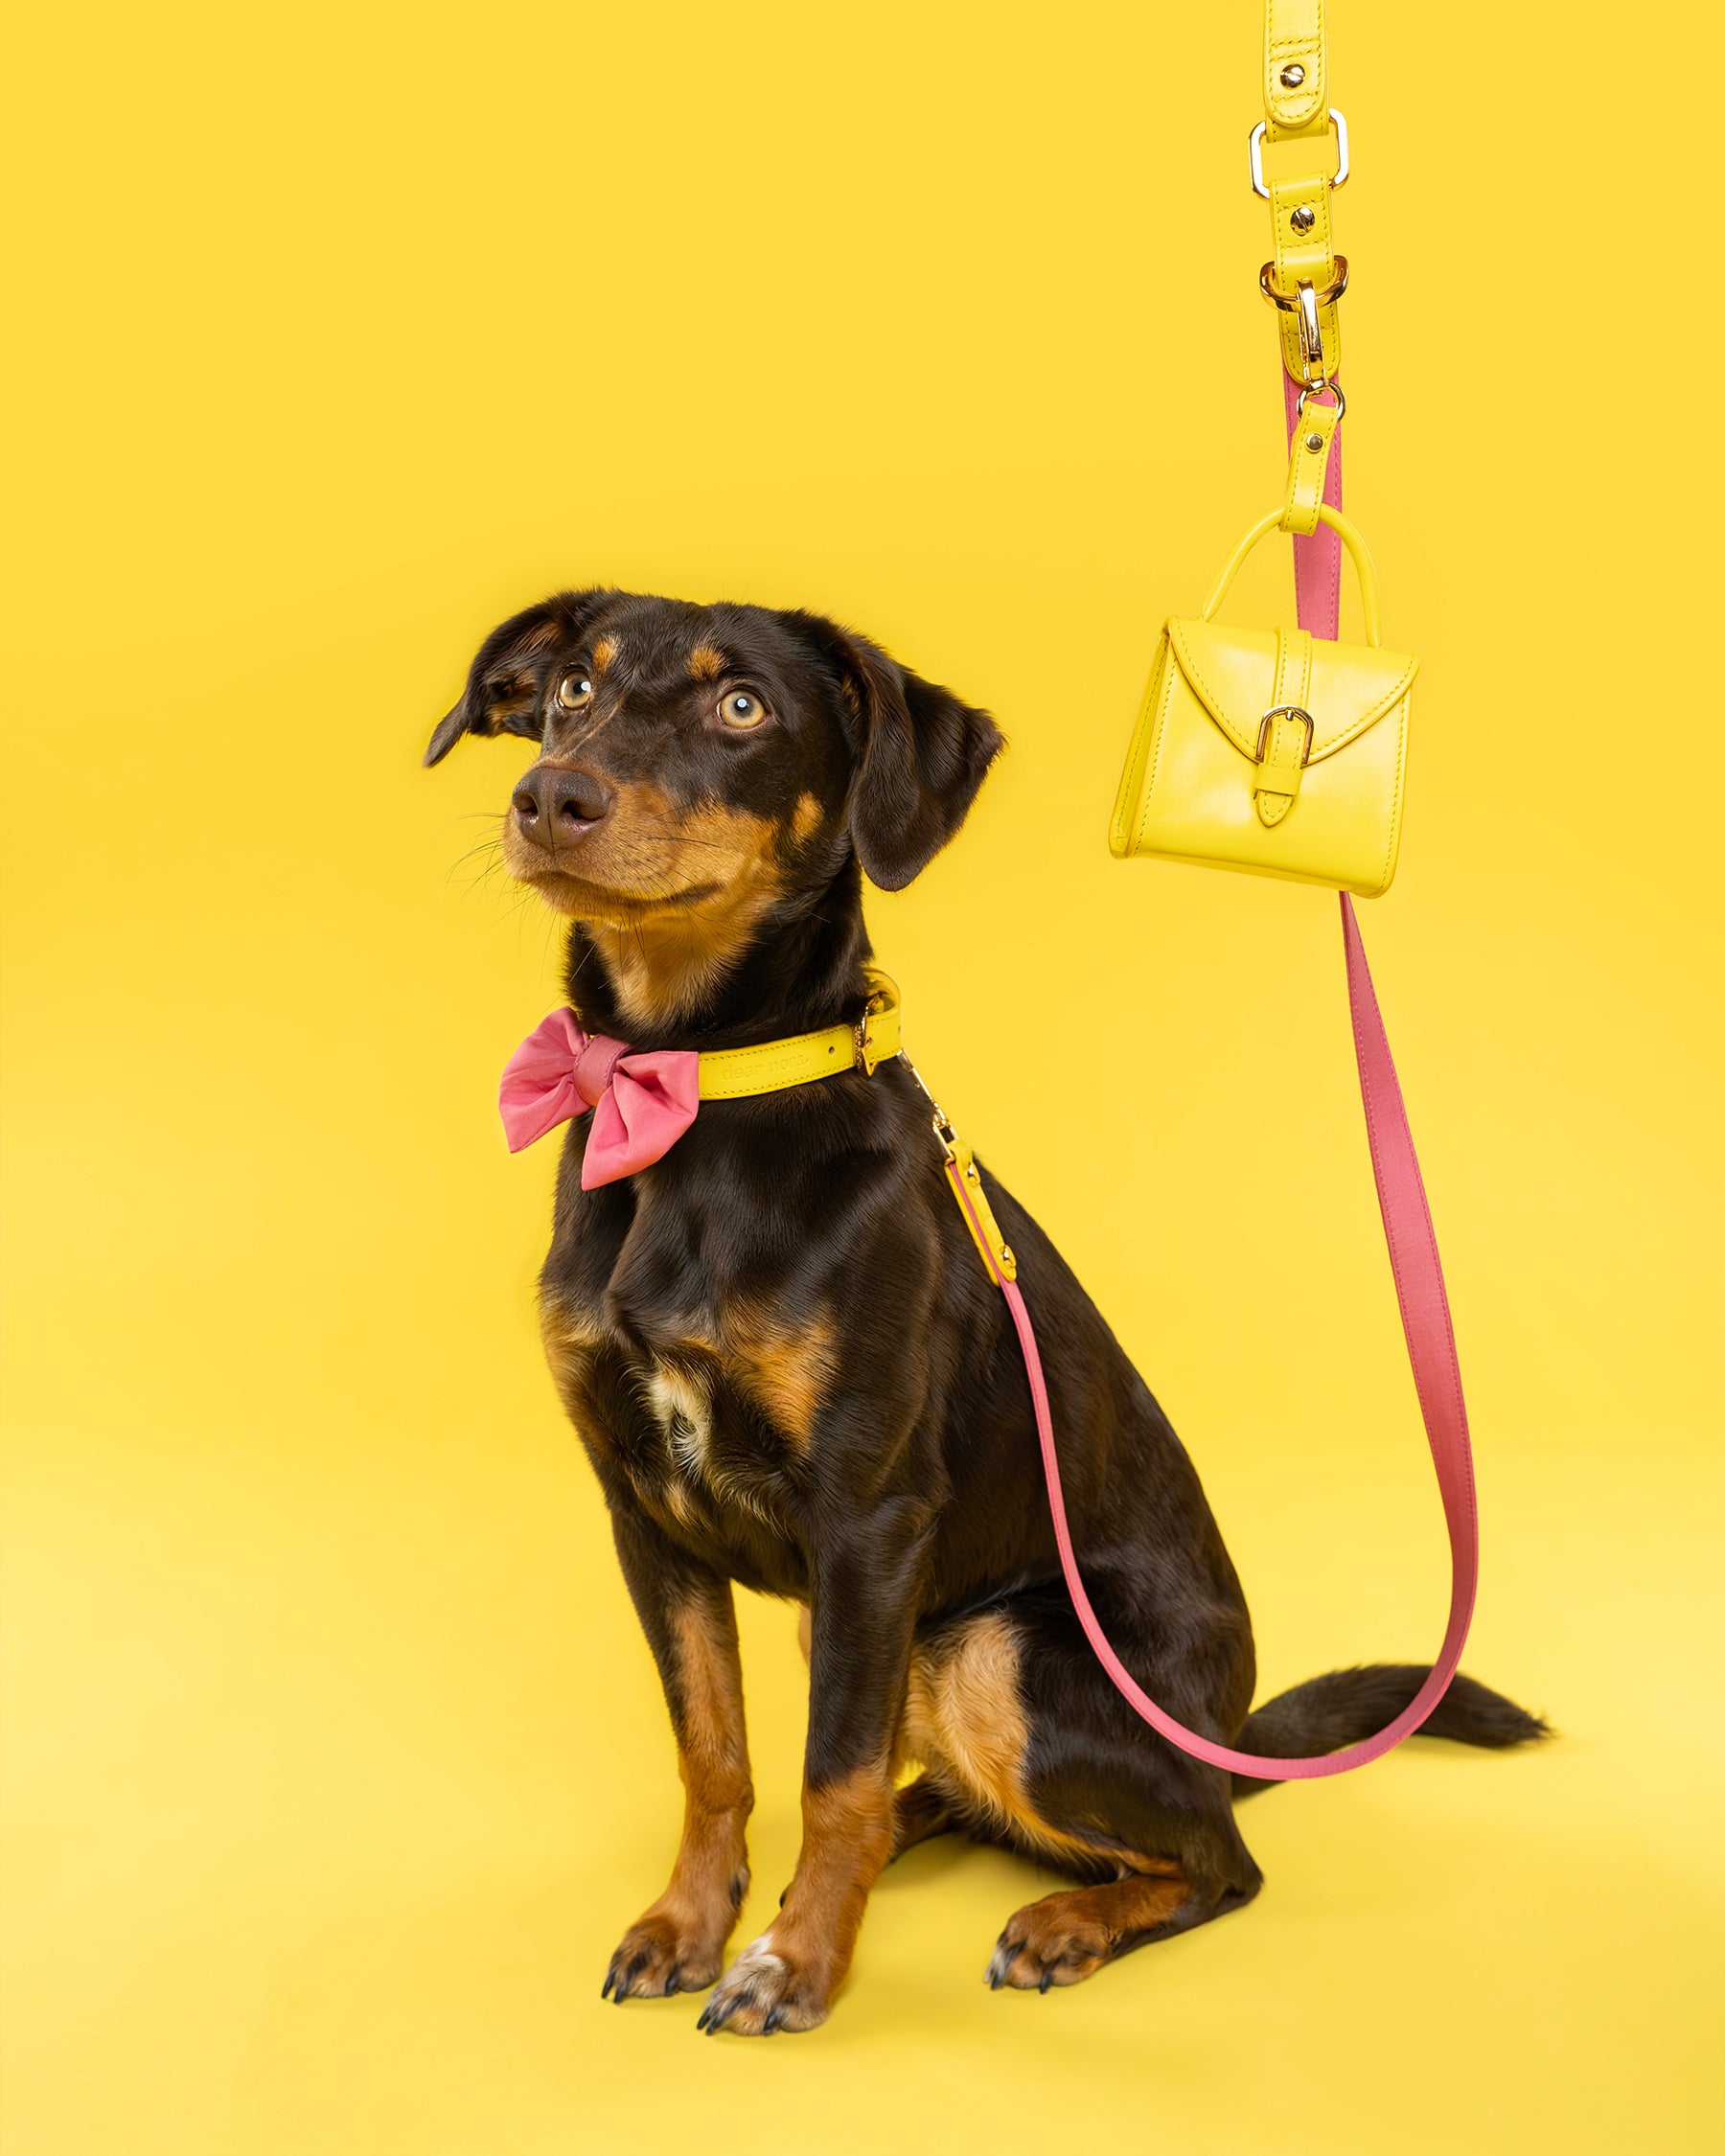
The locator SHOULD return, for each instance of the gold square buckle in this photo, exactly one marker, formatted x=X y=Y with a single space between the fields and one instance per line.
x=863 y=1033
x=865 y=1057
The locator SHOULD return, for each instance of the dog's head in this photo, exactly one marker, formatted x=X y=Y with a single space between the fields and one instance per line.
x=713 y=761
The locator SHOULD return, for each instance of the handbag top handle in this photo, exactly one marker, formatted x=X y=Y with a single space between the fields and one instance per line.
x=1350 y=538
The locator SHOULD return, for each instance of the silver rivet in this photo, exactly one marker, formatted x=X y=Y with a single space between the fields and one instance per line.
x=1302 y=220
x=1293 y=76
x=1313 y=440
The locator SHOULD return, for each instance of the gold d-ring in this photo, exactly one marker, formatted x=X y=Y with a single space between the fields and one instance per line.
x=1325 y=298
x=1311 y=389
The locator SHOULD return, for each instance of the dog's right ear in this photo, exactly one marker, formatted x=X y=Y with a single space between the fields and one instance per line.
x=504 y=681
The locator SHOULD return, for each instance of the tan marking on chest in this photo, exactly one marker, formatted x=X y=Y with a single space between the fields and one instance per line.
x=784 y=1365
x=681 y=1394
x=787 y=1370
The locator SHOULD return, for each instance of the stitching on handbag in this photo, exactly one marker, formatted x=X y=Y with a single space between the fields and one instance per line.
x=1401 y=772
x=1381 y=709
x=1212 y=700
x=1134 y=795
x=1159 y=734
x=1187 y=661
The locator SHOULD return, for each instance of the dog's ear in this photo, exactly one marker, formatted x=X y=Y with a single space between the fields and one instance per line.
x=504 y=681
x=921 y=755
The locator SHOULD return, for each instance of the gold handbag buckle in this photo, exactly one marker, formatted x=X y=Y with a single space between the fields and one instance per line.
x=1287 y=711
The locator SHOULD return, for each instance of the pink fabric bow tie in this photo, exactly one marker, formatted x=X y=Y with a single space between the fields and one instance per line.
x=642 y=1103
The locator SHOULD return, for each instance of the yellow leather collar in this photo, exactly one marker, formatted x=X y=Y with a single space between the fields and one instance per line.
x=735 y=1073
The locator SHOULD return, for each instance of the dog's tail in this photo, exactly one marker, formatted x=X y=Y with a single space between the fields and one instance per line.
x=1327 y=1713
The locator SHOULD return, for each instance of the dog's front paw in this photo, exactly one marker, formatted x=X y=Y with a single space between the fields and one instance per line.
x=765 y=1991
x=660 y=1956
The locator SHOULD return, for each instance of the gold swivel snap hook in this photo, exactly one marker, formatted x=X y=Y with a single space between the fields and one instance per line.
x=1304 y=306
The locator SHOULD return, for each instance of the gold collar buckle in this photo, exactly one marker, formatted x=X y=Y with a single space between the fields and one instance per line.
x=863 y=1034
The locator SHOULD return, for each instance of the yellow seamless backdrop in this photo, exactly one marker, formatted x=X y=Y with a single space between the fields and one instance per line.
x=335 y=1764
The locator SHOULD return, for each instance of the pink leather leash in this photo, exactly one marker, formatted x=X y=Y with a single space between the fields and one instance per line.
x=1419 y=1292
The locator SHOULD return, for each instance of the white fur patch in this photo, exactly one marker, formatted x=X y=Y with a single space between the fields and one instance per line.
x=757 y=1955
x=684 y=1412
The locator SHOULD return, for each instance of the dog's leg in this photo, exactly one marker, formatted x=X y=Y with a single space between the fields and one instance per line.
x=863 y=1609
x=1035 y=1746
x=1099 y=1792
x=920 y=1811
x=691 y=1624
x=1066 y=1936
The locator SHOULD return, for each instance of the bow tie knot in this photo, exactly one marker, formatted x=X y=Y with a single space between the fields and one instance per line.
x=642 y=1103
x=595 y=1065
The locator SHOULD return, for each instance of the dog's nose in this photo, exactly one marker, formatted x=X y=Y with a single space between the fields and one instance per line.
x=554 y=804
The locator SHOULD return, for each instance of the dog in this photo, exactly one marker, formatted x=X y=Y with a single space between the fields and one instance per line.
x=788 y=1367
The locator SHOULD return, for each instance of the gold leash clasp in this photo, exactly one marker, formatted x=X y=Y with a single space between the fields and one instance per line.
x=1303 y=306
x=966 y=1180
x=881 y=999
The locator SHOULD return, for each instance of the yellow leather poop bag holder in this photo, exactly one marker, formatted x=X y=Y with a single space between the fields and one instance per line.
x=1267 y=750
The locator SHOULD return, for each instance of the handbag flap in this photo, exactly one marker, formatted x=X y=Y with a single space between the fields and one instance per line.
x=1232 y=673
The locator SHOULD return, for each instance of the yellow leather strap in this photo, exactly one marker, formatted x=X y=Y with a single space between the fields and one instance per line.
x=1292 y=668
x=1292 y=63
x=965 y=1181
x=737 y=1073
x=1308 y=464
x=1300 y=162
x=1275 y=779
x=1285 y=735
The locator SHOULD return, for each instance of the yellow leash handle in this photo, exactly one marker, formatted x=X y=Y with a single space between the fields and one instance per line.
x=1298 y=157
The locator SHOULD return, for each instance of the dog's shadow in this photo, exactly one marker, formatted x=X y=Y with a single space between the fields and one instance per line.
x=942 y=1855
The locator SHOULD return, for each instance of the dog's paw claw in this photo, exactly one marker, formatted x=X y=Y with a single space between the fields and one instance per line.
x=656 y=1961
x=1035 y=1954
x=761 y=1993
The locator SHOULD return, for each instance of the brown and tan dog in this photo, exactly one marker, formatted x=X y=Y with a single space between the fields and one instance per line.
x=789 y=1368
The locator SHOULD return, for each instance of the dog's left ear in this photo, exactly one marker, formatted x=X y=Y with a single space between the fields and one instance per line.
x=509 y=670
x=921 y=756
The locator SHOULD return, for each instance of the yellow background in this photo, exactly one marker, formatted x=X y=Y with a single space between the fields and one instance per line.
x=335 y=1762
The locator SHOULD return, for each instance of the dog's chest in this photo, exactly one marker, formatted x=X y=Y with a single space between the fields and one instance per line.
x=712 y=1411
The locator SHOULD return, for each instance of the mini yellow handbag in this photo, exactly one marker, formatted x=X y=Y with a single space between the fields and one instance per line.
x=1269 y=749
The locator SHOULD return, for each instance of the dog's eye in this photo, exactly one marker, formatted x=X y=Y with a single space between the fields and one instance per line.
x=574 y=691
x=742 y=709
